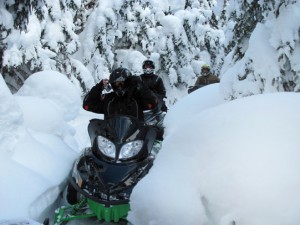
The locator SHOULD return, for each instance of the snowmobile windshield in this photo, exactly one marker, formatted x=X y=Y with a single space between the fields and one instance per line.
x=121 y=127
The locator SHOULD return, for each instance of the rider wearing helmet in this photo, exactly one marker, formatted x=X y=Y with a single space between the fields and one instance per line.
x=129 y=97
x=117 y=80
x=154 y=82
x=206 y=77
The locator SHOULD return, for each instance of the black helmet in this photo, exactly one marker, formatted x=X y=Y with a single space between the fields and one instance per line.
x=148 y=67
x=117 y=78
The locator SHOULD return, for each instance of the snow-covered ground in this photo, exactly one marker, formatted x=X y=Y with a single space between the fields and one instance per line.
x=220 y=161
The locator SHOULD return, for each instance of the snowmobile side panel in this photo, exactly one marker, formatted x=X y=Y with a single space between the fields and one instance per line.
x=72 y=212
x=194 y=88
x=97 y=210
x=109 y=214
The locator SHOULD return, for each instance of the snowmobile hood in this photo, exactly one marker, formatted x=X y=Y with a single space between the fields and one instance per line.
x=117 y=128
x=121 y=127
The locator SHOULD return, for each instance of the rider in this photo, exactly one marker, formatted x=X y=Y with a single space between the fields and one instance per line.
x=206 y=77
x=129 y=97
x=154 y=82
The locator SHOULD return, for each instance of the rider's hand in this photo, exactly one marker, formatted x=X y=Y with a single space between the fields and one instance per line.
x=98 y=88
x=106 y=85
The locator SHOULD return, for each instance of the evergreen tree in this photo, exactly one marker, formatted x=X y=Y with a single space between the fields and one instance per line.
x=290 y=72
x=81 y=39
x=17 y=59
x=39 y=39
x=254 y=18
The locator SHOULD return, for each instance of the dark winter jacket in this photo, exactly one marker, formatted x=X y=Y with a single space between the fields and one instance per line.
x=206 y=80
x=136 y=99
x=155 y=84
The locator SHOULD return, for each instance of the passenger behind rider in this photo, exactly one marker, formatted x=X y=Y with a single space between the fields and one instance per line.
x=130 y=96
x=206 y=77
x=154 y=82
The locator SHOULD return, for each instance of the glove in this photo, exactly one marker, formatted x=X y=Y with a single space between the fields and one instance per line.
x=106 y=85
x=97 y=89
x=100 y=85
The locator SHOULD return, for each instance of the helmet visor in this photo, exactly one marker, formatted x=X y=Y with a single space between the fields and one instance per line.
x=118 y=84
x=118 y=87
x=148 y=69
x=148 y=66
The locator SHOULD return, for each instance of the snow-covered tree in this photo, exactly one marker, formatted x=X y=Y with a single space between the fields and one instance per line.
x=39 y=35
x=263 y=49
x=86 y=39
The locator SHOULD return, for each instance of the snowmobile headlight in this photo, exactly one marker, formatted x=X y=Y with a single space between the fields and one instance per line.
x=106 y=147
x=131 y=149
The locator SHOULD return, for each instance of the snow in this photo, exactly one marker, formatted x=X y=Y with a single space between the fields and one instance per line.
x=55 y=87
x=220 y=161
x=166 y=5
x=234 y=161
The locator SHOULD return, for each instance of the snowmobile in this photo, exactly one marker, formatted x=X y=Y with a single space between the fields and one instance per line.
x=105 y=174
x=194 y=88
